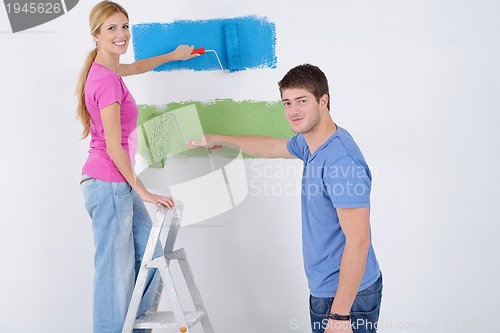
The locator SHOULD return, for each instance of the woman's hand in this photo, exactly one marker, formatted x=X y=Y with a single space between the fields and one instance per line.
x=157 y=200
x=183 y=52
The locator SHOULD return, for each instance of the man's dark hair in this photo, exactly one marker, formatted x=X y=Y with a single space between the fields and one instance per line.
x=307 y=77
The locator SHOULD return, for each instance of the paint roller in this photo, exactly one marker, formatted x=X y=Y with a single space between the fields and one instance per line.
x=232 y=49
x=189 y=115
x=202 y=51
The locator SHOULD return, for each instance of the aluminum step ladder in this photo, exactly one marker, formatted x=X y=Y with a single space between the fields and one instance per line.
x=177 y=318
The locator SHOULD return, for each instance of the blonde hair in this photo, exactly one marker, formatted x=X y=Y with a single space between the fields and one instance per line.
x=100 y=13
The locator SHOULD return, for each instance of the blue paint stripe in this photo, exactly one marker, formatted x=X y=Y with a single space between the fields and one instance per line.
x=254 y=46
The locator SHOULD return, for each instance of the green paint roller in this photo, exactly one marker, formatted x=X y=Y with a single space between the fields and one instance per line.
x=170 y=133
x=232 y=49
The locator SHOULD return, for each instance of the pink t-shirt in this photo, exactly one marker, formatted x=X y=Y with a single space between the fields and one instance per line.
x=103 y=88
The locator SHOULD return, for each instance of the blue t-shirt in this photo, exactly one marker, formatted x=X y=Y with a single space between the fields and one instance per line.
x=335 y=176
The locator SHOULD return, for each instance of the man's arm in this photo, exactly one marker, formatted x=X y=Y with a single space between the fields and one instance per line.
x=260 y=146
x=355 y=223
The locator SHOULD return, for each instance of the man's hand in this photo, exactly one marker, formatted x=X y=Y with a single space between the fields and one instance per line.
x=208 y=141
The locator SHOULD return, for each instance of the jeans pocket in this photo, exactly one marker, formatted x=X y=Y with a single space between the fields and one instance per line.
x=365 y=321
x=122 y=189
x=367 y=302
x=88 y=188
x=365 y=311
x=86 y=180
x=320 y=306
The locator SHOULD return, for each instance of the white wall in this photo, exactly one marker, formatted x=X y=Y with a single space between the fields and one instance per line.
x=415 y=82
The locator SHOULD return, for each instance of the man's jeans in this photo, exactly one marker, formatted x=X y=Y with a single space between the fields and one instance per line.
x=121 y=227
x=364 y=312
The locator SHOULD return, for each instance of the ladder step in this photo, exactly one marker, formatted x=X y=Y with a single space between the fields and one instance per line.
x=166 y=319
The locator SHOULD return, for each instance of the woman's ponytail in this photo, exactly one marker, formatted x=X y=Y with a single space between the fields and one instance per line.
x=82 y=112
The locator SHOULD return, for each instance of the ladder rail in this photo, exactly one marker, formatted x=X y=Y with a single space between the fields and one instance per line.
x=168 y=248
x=142 y=276
x=194 y=291
x=178 y=317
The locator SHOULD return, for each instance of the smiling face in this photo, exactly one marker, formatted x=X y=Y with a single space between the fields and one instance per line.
x=302 y=110
x=113 y=35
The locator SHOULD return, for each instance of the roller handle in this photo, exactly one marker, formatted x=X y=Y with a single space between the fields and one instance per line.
x=200 y=51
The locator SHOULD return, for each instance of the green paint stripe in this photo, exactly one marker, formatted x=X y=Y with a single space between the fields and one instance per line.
x=226 y=117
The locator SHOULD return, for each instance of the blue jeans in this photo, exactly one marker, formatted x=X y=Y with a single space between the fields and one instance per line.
x=121 y=227
x=364 y=312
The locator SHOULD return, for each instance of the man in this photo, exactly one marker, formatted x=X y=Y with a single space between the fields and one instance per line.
x=343 y=273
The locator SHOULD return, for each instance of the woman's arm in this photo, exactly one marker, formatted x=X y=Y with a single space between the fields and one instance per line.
x=110 y=116
x=182 y=52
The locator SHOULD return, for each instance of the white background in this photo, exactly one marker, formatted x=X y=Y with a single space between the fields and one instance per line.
x=415 y=82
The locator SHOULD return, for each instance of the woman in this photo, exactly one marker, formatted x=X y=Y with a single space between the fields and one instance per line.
x=113 y=193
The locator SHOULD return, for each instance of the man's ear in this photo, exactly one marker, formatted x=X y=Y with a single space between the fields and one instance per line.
x=323 y=101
